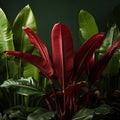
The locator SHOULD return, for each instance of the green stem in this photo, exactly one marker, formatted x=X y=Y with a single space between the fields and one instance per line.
x=19 y=69
x=26 y=100
x=7 y=69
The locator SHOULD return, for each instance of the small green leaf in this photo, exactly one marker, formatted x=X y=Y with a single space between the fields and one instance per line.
x=6 y=36
x=41 y=114
x=87 y=25
x=84 y=114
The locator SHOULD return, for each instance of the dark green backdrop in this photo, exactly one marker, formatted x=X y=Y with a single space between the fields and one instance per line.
x=48 y=12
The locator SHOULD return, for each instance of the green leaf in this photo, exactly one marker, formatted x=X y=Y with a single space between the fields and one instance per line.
x=17 y=115
x=6 y=36
x=31 y=70
x=23 y=86
x=103 y=109
x=87 y=25
x=41 y=114
x=84 y=114
x=24 y=18
x=114 y=64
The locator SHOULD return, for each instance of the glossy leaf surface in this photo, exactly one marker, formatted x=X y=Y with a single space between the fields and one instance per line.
x=6 y=36
x=24 y=18
x=62 y=52
x=87 y=25
x=86 y=52
x=38 y=43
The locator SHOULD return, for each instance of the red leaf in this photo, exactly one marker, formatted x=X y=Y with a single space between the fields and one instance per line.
x=101 y=64
x=63 y=52
x=85 y=53
x=73 y=88
x=90 y=63
x=39 y=62
x=34 y=39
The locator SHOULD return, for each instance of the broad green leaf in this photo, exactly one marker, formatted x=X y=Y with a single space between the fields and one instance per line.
x=41 y=114
x=6 y=36
x=23 y=86
x=84 y=114
x=24 y=18
x=87 y=25
x=31 y=70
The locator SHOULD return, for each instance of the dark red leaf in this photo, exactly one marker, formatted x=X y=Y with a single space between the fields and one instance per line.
x=101 y=64
x=85 y=53
x=73 y=88
x=38 y=43
x=62 y=52
x=39 y=62
x=90 y=63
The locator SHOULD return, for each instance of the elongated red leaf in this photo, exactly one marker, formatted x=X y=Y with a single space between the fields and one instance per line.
x=101 y=64
x=39 y=62
x=73 y=88
x=62 y=52
x=34 y=39
x=85 y=53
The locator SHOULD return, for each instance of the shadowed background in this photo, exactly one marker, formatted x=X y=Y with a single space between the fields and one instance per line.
x=49 y=12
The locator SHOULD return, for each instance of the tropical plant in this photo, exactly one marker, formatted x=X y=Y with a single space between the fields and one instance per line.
x=67 y=66
x=65 y=89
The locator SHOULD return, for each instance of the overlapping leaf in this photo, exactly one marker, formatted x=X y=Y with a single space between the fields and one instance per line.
x=39 y=62
x=86 y=51
x=101 y=64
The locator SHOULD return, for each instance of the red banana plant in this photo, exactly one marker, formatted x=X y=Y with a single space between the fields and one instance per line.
x=66 y=65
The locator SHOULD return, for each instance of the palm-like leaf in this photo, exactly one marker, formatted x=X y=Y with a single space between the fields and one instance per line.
x=6 y=36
